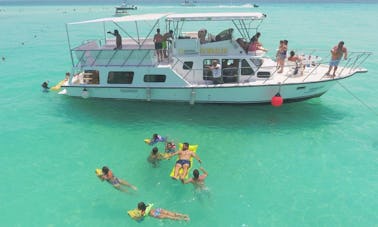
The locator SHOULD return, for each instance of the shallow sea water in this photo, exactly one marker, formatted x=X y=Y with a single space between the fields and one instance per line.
x=312 y=163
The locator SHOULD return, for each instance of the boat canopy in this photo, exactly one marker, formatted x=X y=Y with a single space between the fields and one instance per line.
x=216 y=16
x=130 y=18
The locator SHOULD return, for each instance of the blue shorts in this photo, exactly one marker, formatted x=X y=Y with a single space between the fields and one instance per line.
x=334 y=62
x=158 y=46
x=183 y=162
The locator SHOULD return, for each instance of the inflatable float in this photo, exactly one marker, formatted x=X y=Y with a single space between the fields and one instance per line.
x=98 y=172
x=58 y=85
x=137 y=215
x=191 y=148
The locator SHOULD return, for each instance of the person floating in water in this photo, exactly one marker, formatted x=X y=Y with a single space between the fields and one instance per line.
x=197 y=180
x=148 y=210
x=184 y=161
x=170 y=147
x=155 y=157
x=156 y=138
x=45 y=86
x=107 y=175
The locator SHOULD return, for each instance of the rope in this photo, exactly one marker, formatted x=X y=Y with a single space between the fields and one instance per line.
x=358 y=99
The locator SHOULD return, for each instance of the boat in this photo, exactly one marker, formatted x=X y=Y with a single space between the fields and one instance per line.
x=135 y=73
x=188 y=3
x=122 y=10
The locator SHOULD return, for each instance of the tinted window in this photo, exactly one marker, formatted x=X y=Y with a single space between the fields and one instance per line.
x=120 y=77
x=154 y=78
x=91 y=77
x=188 y=65
x=246 y=68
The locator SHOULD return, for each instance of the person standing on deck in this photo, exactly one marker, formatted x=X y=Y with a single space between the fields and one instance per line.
x=337 y=53
x=166 y=38
x=158 y=40
x=118 y=39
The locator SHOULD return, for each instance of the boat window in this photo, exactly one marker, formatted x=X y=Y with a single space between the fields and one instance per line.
x=246 y=69
x=154 y=78
x=207 y=74
x=120 y=77
x=187 y=65
x=91 y=76
x=230 y=70
x=224 y=35
x=263 y=74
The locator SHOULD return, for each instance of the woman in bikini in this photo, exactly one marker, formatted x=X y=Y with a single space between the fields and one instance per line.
x=160 y=212
x=107 y=175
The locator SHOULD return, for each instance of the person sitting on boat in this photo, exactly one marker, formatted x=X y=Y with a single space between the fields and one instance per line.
x=167 y=38
x=202 y=35
x=107 y=175
x=255 y=45
x=216 y=71
x=298 y=62
x=158 y=40
x=118 y=39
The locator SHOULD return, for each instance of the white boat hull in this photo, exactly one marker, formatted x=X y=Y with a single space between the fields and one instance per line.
x=206 y=94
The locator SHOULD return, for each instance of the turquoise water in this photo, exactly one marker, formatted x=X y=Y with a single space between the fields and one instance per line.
x=312 y=163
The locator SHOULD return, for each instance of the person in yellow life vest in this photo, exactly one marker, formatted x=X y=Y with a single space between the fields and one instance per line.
x=144 y=210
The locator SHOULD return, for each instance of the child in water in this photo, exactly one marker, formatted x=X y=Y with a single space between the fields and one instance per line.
x=155 y=157
x=170 y=147
x=157 y=138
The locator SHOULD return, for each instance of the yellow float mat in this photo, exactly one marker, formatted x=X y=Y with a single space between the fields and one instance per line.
x=98 y=172
x=147 y=141
x=135 y=214
x=58 y=85
x=191 y=148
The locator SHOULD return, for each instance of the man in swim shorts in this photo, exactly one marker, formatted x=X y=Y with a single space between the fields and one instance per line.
x=337 y=53
x=184 y=161
x=107 y=175
x=158 y=40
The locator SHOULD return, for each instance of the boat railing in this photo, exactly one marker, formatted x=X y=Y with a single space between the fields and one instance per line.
x=91 y=54
x=315 y=64
x=313 y=59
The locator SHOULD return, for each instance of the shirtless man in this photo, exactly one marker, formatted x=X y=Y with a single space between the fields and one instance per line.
x=197 y=180
x=158 y=40
x=184 y=161
x=337 y=53
x=118 y=39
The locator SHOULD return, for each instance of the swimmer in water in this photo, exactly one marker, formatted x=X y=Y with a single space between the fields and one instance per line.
x=45 y=86
x=197 y=180
x=148 y=210
x=107 y=175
